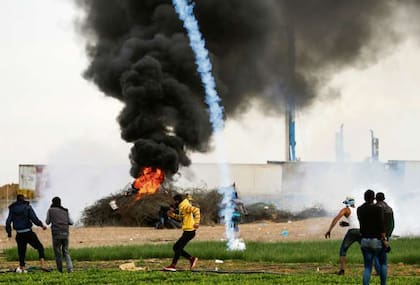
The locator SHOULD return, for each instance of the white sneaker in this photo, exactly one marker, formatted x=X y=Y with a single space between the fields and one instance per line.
x=20 y=270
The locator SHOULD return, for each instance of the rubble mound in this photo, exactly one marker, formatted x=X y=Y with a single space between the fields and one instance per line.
x=126 y=210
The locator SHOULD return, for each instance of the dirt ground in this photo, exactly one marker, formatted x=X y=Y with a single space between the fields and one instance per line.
x=309 y=229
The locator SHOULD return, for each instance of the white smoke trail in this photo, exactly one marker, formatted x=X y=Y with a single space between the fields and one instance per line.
x=185 y=12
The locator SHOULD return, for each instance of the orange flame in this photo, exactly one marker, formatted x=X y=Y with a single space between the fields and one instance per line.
x=148 y=182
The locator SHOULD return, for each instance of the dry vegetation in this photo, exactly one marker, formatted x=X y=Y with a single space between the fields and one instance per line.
x=144 y=212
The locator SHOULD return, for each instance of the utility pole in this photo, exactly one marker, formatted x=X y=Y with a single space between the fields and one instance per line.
x=374 y=142
x=339 y=144
x=290 y=104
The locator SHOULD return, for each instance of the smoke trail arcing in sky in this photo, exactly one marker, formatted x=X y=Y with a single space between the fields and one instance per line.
x=138 y=53
x=185 y=12
x=266 y=52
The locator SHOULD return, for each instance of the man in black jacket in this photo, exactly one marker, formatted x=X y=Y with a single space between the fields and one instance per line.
x=21 y=215
x=388 y=214
x=60 y=220
x=388 y=220
x=373 y=239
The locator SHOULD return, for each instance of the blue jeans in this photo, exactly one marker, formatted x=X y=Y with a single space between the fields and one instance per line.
x=371 y=248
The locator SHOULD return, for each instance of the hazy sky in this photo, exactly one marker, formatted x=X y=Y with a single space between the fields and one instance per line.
x=49 y=112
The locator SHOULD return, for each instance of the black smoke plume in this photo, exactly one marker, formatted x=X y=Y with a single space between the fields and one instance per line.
x=275 y=51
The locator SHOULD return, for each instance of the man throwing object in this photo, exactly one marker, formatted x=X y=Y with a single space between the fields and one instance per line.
x=353 y=233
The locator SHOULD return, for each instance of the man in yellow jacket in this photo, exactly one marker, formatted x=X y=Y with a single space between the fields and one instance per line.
x=190 y=219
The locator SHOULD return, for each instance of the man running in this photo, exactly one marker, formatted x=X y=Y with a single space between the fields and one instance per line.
x=190 y=219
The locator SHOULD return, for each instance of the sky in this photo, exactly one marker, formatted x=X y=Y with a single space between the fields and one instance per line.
x=49 y=112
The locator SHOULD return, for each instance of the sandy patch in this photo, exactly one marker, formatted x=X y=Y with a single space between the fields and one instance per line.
x=309 y=229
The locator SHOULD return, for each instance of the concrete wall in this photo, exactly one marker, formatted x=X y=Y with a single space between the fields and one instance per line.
x=250 y=179
x=298 y=185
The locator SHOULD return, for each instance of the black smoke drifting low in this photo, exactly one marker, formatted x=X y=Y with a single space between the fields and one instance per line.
x=139 y=53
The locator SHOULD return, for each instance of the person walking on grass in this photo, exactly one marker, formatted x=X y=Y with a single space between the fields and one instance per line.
x=373 y=243
x=190 y=220
x=60 y=220
x=22 y=216
x=353 y=233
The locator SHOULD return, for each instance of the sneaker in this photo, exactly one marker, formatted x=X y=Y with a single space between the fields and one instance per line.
x=341 y=272
x=19 y=270
x=193 y=262
x=170 y=268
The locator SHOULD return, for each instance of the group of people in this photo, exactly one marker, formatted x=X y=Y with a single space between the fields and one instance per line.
x=22 y=217
x=371 y=225
x=376 y=222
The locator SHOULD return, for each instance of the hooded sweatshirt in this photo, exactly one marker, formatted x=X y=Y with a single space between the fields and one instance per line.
x=22 y=216
x=188 y=215
x=60 y=220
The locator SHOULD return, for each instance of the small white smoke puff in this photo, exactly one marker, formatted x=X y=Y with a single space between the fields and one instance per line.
x=236 y=244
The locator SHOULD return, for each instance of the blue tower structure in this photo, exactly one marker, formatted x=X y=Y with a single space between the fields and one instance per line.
x=292 y=135
x=291 y=108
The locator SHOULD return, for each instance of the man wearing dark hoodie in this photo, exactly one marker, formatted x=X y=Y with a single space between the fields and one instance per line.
x=60 y=220
x=21 y=215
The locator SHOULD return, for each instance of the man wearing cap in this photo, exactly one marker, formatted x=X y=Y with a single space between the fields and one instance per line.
x=353 y=234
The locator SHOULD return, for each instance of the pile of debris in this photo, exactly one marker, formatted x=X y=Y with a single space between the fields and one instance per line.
x=125 y=209
x=269 y=212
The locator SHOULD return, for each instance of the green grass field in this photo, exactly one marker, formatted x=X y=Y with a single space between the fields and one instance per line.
x=312 y=262
x=107 y=276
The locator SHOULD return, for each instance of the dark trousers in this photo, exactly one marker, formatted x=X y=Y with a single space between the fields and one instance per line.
x=180 y=244
x=351 y=236
x=61 y=249
x=22 y=240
